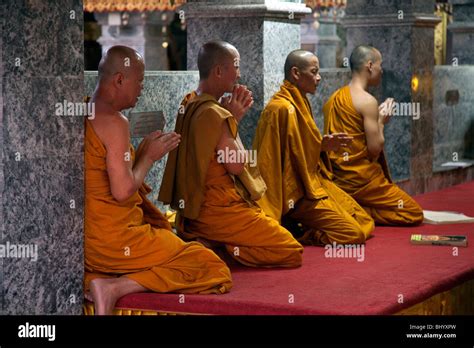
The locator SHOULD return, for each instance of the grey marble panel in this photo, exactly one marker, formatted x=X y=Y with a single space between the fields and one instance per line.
x=453 y=110
x=279 y=39
x=460 y=43
x=31 y=127
x=29 y=47
x=2 y=181
x=381 y=7
x=43 y=206
x=41 y=168
x=463 y=10
x=70 y=54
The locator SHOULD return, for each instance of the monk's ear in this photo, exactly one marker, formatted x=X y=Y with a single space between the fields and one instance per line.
x=218 y=70
x=370 y=65
x=118 y=79
x=295 y=73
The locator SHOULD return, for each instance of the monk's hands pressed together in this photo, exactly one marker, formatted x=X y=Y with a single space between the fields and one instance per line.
x=239 y=103
x=333 y=142
x=386 y=110
x=157 y=144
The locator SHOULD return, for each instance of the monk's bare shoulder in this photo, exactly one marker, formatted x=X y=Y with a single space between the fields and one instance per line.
x=110 y=127
x=364 y=102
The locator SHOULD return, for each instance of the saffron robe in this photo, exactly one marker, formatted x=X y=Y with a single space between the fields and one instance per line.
x=300 y=186
x=367 y=181
x=133 y=239
x=215 y=205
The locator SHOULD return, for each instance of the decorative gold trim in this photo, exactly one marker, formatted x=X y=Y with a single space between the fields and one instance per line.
x=131 y=5
x=88 y=309
x=456 y=301
x=440 y=35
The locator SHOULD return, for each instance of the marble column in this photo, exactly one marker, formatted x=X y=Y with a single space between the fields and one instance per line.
x=403 y=30
x=328 y=43
x=146 y=32
x=41 y=167
x=460 y=40
x=263 y=31
x=309 y=33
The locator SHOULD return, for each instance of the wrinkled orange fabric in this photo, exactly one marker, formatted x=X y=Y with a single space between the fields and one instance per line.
x=299 y=185
x=367 y=181
x=134 y=239
x=225 y=212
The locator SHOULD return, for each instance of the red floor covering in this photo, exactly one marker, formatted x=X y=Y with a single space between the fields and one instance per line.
x=393 y=270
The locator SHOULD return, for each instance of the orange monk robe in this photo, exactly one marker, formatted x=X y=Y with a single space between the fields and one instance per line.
x=288 y=145
x=367 y=181
x=215 y=205
x=133 y=238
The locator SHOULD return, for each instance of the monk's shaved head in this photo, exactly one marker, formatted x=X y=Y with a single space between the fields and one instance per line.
x=120 y=59
x=213 y=53
x=361 y=55
x=299 y=59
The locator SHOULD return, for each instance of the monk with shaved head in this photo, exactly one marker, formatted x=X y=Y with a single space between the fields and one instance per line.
x=292 y=156
x=210 y=180
x=361 y=169
x=129 y=245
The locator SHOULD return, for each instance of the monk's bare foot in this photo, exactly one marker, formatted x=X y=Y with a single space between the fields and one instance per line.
x=103 y=295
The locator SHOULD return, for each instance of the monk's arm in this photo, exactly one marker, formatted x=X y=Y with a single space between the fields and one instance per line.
x=373 y=127
x=126 y=176
x=228 y=142
x=123 y=177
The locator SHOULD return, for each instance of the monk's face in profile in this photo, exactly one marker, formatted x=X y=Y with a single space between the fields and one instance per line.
x=375 y=70
x=133 y=84
x=308 y=79
x=230 y=74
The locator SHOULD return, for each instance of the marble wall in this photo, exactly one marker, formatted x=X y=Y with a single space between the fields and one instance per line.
x=41 y=167
x=460 y=47
x=453 y=110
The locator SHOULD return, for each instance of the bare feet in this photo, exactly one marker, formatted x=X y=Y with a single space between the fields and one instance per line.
x=102 y=293
x=106 y=291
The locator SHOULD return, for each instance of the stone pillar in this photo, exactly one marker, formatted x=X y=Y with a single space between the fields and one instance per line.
x=309 y=33
x=403 y=30
x=41 y=167
x=328 y=43
x=263 y=31
x=146 y=32
x=460 y=40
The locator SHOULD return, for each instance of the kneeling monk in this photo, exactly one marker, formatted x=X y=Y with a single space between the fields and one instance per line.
x=361 y=170
x=290 y=152
x=209 y=179
x=129 y=245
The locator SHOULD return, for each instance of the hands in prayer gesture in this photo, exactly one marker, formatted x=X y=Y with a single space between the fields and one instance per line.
x=239 y=103
x=157 y=144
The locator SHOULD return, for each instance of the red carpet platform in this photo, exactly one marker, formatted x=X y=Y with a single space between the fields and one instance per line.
x=394 y=275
